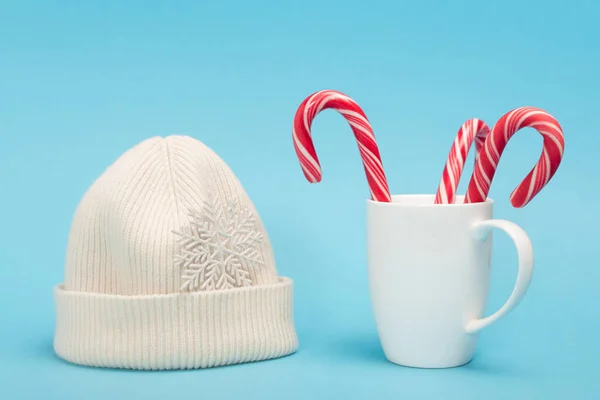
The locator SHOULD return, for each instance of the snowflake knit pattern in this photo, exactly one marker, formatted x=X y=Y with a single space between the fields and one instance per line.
x=219 y=247
x=169 y=266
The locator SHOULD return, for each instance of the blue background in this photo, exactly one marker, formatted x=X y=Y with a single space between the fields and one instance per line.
x=82 y=83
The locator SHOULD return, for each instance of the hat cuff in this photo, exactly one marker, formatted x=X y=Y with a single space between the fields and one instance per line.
x=175 y=331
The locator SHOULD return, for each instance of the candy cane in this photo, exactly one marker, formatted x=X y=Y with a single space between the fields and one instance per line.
x=539 y=176
x=472 y=130
x=363 y=132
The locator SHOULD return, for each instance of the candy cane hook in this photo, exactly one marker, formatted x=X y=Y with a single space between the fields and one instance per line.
x=356 y=118
x=542 y=172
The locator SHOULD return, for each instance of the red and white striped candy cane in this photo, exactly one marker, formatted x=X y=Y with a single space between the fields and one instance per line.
x=303 y=143
x=542 y=172
x=472 y=130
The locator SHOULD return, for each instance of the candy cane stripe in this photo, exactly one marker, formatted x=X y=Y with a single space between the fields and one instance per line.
x=554 y=139
x=374 y=166
x=546 y=164
x=310 y=163
x=532 y=184
x=473 y=130
x=309 y=172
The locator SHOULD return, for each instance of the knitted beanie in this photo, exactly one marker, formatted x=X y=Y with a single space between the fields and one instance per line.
x=169 y=266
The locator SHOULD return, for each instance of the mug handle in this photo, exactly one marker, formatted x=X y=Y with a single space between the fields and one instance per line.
x=482 y=230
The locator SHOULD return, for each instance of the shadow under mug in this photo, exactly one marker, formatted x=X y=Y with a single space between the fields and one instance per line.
x=429 y=273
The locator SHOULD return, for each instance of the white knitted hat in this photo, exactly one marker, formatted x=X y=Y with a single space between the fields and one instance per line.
x=169 y=267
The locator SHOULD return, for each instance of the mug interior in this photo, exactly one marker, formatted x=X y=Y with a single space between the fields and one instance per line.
x=427 y=200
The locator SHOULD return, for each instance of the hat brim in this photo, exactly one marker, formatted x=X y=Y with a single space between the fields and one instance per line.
x=175 y=331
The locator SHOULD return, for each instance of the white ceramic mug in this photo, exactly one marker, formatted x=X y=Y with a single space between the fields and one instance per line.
x=429 y=276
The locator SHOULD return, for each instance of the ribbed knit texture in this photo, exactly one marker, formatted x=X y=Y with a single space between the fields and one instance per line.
x=169 y=266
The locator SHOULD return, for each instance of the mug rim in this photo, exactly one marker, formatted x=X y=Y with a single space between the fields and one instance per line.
x=488 y=202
